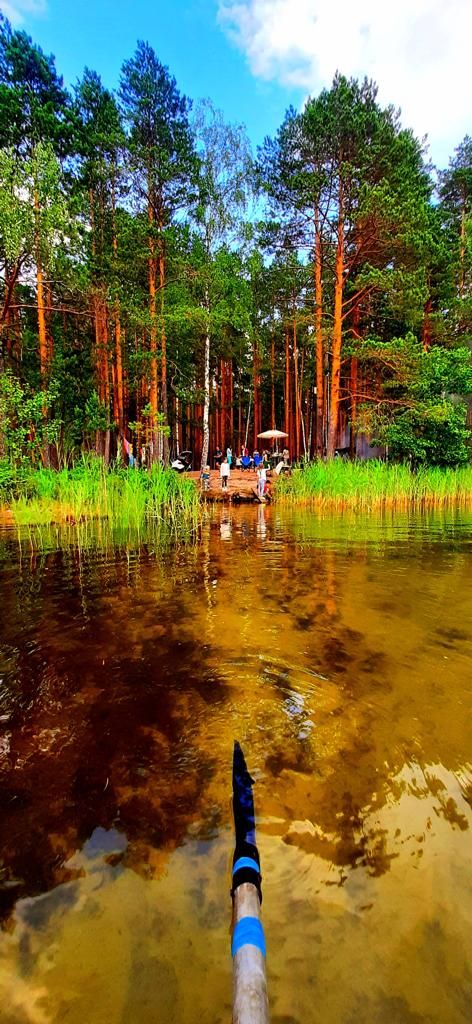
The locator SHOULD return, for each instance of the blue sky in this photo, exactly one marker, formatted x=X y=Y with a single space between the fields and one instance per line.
x=255 y=57
x=187 y=38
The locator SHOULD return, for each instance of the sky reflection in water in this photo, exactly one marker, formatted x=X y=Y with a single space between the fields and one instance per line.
x=339 y=651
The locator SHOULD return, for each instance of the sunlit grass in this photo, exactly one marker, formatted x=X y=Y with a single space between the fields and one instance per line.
x=89 y=491
x=373 y=484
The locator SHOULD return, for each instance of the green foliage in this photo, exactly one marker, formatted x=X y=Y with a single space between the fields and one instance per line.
x=96 y=413
x=156 y=418
x=23 y=430
x=419 y=415
x=16 y=209
x=33 y=211
x=112 y=196
x=34 y=106
x=433 y=434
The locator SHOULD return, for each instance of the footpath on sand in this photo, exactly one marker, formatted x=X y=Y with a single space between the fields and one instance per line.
x=242 y=486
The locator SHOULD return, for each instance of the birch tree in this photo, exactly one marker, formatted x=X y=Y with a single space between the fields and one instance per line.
x=224 y=190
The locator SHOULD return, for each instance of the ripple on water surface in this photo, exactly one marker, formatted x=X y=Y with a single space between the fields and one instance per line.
x=339 y=651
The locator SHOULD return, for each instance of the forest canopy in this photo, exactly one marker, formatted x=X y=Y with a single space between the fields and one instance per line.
x=161 y=286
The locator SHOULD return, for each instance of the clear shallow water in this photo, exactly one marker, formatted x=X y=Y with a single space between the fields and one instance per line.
x=339 y=651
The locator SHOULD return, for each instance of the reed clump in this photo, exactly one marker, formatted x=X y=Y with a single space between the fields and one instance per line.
x=91 y=491
x=375 y=484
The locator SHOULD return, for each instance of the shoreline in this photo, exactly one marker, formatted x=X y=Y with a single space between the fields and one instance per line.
x=90 y=493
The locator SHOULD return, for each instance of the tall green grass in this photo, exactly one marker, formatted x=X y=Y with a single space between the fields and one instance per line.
x=90 y=491
x=373 y=484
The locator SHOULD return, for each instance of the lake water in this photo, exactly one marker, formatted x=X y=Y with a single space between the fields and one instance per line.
x=338 y=650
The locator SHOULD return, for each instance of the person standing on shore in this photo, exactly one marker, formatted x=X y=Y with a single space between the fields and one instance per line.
x=261 y=480
x=229 y=456
x=224 y=474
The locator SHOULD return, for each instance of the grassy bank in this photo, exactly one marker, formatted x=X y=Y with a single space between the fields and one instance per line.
x=375 y=484
x=128 y=498
x=89 y=491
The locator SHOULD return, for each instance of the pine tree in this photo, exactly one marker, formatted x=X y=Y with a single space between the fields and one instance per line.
x=35 y=111
x=163 y=162
x=100 y=141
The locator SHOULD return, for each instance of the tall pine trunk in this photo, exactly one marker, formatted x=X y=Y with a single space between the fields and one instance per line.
x=426 y=329
x=41 y=311
x=354 y=390
x=206 y=392
x=40 y=294
x=257 y=394
x=320 y=398
x=118 y=394
x=231 y=399
x=337 y=332
x=462 y=245
x=297 y=396
x=153 y=393
x=162 y=276
x=272 y=382
x=102 y=438
x=287 y=386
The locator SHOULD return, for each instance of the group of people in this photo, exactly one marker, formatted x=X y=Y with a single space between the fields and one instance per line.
x=138 y=457
x=259 y=461
x=224 y=464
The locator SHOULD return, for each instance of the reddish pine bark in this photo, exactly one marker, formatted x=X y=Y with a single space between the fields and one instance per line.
x=231 y=399
x=102 y=367
x=161 y=262
x=42 y=329
x=40 y=294
x=297 y=396
x=153 y=392
x=240 y=414
x=49 y=336
x=337 y=333
x=118 y=396
x=426 y=330
x=257 y=395
x=354 y=390
x=462 y=246
x=272 y=382
x=287 y=385
x=178 y=424
x=9 y=315
x=320 y=396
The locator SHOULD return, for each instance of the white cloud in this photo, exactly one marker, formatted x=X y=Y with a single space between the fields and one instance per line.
x=18 y=10
x=418 y=52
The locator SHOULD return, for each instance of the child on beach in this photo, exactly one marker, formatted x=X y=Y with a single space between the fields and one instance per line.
x=224 y=474
x=261 y=480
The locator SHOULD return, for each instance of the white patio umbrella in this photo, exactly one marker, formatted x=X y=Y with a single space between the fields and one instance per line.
x=272 y=435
